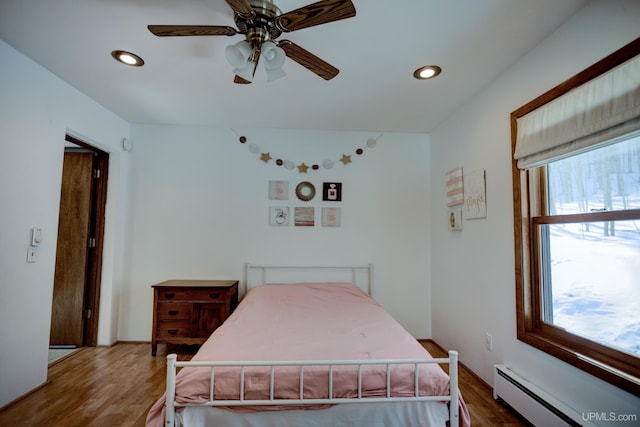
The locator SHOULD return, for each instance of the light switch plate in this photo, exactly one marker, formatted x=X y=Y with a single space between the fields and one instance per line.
x=32 y=253
x=36 y=236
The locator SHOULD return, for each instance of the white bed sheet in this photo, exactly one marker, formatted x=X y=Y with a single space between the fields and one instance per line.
x=414 y=414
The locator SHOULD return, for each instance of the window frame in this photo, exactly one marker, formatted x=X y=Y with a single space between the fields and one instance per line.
x=530 y=211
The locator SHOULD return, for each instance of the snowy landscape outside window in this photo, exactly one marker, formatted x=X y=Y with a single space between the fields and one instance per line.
x=576 y=188
x=590 y=267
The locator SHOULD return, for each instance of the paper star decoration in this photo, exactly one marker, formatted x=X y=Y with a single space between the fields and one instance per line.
x=265 y=157
x=302 y=167
x=345 y=159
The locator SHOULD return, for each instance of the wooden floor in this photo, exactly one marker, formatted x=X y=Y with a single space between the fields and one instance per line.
x=116 y=386
x=478 y=396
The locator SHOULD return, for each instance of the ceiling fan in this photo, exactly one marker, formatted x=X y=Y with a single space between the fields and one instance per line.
x=262 y=22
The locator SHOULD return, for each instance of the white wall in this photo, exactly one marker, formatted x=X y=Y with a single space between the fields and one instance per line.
x=36 y=110
x=473 y=278
x=199 y=209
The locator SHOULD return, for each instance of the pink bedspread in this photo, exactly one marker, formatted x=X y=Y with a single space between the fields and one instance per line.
x=308 y=321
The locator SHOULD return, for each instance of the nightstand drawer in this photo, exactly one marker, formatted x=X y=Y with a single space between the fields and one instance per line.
x=178 y=328
x=211 y=295
x=173 y=294
x=192 y=295
x=174 y=311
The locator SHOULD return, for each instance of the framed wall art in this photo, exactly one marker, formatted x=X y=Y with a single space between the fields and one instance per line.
x=304 y=217
x=475 y=202
x=332 y=191
x=455 y=186
x=279 y=216
x=331 y=217
x=455 y=218
x=305 y=191
x=278 y=190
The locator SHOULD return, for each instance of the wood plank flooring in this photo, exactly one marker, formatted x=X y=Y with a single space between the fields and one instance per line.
x=478 y=396
x=116 y=386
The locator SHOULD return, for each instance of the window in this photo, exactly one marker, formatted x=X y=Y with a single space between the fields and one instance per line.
x=576 y=177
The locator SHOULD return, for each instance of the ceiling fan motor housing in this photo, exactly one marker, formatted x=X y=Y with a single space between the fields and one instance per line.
x=261 y=27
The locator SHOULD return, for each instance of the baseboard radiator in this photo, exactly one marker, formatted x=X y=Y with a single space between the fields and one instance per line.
x=531 y=402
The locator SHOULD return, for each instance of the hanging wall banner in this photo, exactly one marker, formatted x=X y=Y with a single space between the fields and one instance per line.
x=455 y=187
x=475 y=202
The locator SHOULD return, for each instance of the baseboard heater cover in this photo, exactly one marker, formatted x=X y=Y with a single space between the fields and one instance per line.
x=534 y=404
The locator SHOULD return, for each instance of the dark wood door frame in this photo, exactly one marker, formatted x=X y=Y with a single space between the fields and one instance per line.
x=96 y=233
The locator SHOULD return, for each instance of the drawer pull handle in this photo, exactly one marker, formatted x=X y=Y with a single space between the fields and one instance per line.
x=169 y=295
x=173 y=312
x=214 y=295
x=172 y=331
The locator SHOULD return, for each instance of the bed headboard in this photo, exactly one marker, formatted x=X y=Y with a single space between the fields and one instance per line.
x=360 y=275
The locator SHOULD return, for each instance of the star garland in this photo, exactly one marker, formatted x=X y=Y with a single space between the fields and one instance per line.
x=303 y=167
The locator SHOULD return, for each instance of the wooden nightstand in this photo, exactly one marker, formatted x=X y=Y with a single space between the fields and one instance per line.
x=188 y=311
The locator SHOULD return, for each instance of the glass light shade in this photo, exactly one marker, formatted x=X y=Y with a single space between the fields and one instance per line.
x=274 y=74
x=238 y=54
x=245 y=72
x=274 y=56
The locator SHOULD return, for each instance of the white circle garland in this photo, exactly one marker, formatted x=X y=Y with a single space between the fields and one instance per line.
x=303 y=167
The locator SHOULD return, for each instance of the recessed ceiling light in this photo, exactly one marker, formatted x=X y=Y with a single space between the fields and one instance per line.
x=427 y=72
x=127 y=58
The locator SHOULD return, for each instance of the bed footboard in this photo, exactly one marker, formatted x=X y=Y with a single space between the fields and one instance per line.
x=359 y=365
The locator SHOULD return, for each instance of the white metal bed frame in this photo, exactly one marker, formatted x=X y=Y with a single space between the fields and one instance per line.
x=173 y=364
x=360 y=275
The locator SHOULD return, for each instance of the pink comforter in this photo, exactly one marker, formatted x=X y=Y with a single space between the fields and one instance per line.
x=307 y=321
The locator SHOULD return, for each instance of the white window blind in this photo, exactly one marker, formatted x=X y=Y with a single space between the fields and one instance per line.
x=587 y=117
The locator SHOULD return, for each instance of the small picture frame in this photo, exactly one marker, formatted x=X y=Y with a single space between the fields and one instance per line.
x=279 y=216
x=475 y=196
x=455 y=218
x=332 y=191
x=305 y=191
x=455 y=186
x=304 y=217
x=331 y=217
x=278 y=190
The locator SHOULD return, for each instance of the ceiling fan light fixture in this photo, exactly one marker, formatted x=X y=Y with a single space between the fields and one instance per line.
x=427 y=72
x=245 y=72
x=238 y=54
x=274 y=74
x=262 y=22
x=273 y=55
x=127 y=58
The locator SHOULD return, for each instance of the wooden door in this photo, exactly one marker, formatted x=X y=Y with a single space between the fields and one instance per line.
x=67 y=315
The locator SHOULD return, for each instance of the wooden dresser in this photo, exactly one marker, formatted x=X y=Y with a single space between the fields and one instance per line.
x=188 y=311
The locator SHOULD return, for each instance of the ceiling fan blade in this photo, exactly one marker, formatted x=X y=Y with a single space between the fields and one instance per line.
x=242 y=8
x=192 y=30
x=315 y=14
x=239 y=80
x=308 y=60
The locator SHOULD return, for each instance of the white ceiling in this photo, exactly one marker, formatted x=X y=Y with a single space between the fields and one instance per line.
x=187 y=80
